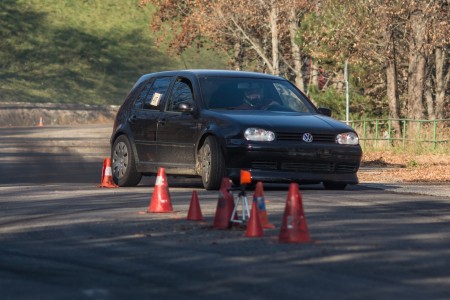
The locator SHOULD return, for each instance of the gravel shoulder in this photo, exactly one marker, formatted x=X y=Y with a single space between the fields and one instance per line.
x=431 y=189
x=426 y=174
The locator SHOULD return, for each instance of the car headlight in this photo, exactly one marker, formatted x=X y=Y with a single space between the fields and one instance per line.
x=258 y=134
x=347 y=138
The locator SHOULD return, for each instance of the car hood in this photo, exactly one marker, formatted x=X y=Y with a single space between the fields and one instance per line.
x=282 y=121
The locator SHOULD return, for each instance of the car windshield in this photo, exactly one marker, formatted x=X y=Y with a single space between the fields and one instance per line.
x=253 y=94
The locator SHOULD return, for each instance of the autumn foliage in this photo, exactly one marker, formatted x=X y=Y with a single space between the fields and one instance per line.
x=399 y=49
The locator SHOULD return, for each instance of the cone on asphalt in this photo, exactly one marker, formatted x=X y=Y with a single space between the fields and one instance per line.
x=294 y=228
x=258 y=197
x=107 y=180
x=160 y=202
x=225 y=206
x=254 y=227
x=40 y=124
x=195 y=212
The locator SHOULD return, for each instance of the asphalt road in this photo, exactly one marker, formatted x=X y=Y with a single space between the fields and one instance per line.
x=62 y=237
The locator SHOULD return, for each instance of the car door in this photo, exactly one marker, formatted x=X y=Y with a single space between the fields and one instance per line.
x=143 y=120
x=178 y=130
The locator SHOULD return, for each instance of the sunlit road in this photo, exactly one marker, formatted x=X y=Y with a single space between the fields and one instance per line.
x=61 y=237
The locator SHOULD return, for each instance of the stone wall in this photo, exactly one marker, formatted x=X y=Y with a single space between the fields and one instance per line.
x=29 y=114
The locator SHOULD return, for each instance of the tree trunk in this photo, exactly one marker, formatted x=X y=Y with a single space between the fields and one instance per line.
x=340 y=81
x=273 y=18
x=442 y=81
x=237 y=57
x=417 y=64
x=391 y=81
x=429 y=99
x=314 y=75
x=392 y=96
x=296 y=55
x=254 y=43
x=428 y=91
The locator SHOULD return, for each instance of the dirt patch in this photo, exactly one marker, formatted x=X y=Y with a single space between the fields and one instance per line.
x=30 y=114
x=405 y=167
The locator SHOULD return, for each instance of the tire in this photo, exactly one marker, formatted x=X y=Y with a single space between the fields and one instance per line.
x=334 y=185
x=212 y=164
x=123 y=163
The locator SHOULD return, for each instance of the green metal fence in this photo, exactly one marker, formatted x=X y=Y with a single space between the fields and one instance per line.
x=388 y=133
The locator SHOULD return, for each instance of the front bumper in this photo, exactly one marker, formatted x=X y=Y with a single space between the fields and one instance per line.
x=299 y=177
x=293 y=162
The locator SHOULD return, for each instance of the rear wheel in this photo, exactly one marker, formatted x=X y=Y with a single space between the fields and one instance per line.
x=212 y=164
x=123 y=163
x=334 y=185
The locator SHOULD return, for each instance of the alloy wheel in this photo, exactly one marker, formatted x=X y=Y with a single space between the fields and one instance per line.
x=120 y=160
x=206 y=162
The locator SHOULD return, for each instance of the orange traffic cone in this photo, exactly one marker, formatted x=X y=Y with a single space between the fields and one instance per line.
x=254 y=227
x=40 y=122
x=258 y=197
x=294 y=228
x=160 y=202
x=225 y=206
x=107 y=180
x=194 y=213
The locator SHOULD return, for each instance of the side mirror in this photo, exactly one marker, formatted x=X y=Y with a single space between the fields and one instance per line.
x=325 y=111
x=185 y=107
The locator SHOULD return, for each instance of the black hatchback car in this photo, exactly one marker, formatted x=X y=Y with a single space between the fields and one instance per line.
x=214 y=123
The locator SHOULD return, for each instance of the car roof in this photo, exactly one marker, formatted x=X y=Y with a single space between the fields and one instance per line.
x=211 y=73
x=229 y=73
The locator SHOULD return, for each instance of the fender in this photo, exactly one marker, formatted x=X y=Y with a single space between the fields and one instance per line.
x=221 y=132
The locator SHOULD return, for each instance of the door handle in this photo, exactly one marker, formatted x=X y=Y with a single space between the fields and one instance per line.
x=132 y=119
x=162 y=121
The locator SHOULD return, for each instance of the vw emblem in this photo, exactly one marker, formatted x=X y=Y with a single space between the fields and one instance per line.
x=307 y=137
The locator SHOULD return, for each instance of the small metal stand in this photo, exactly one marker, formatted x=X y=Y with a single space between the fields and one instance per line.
x=241 y=200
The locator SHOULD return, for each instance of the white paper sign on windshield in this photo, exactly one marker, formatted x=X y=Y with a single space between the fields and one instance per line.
x=155 y=99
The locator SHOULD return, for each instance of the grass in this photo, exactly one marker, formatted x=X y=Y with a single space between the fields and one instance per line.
x=417 y=148
x=81 y=51
x=419 y=136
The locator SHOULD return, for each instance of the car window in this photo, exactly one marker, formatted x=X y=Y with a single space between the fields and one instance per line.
x=181 y=93
x=253 y=94
x=155 y=95
x=145 y=88
x=291 y=98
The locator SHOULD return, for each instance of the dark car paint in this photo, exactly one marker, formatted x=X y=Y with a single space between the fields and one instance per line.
x=234 y=145
x=186 y=132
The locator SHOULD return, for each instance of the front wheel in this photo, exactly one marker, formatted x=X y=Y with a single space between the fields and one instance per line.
x=212 y=164
x=123 y=163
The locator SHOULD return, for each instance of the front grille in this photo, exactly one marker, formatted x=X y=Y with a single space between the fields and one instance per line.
x=307 y=167
x=346 y=168
x=315 y=167
x=264 y=165
x=298 y=136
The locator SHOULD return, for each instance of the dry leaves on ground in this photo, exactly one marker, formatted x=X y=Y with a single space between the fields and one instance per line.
x=394 y=167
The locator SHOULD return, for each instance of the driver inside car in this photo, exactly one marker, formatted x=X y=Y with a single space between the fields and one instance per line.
x=254 y=99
